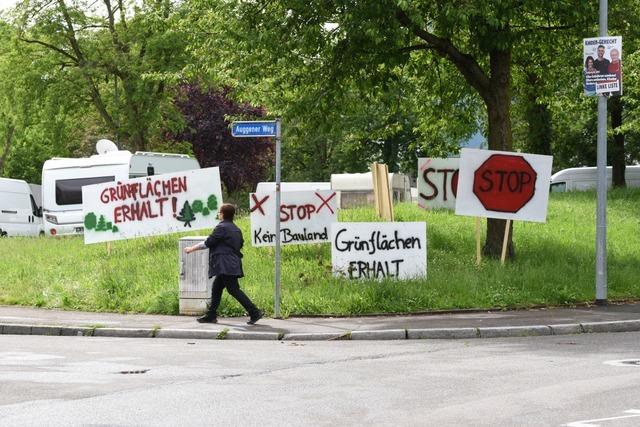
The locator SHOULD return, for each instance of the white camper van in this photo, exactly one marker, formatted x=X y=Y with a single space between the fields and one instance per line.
x=581 y=179
x=19 y=212
x=63 y=179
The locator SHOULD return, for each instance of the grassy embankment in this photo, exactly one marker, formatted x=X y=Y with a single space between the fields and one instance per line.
x=554 y=266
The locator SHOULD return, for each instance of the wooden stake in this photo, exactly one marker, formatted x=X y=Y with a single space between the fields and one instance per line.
x=505 y=241
x=478 y=252
x=109 y=248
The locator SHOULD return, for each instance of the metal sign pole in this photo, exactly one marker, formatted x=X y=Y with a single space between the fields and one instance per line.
x=276 y=309
x=601 y=209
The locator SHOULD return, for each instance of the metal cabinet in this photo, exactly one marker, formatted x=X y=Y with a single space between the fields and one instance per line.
x=195 y=285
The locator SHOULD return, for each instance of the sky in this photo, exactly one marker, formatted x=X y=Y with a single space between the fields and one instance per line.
x=7 y=3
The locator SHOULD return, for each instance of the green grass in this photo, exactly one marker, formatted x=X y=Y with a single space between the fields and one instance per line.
x=554 y=265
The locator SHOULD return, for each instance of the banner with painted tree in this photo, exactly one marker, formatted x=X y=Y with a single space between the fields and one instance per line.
x=152 y=205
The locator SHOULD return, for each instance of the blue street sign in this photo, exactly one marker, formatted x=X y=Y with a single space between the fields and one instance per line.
x=253 y=129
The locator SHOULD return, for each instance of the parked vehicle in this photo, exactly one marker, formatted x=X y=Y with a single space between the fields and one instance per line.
x=581 y=179
x=63 y=179
x=19 y=212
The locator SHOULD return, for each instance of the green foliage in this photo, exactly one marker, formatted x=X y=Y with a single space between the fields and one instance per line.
x=90 y=221
x=212 y=202
x=197 y=206
x=555 y=266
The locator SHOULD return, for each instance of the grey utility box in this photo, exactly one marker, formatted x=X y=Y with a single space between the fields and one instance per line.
x=195 y=285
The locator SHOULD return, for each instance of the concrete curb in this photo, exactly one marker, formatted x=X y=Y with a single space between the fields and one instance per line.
x=385 y=334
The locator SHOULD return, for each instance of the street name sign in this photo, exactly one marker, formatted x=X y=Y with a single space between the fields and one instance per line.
x=253 y=129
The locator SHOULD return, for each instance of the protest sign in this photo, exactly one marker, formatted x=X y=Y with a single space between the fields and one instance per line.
x=437 y=183
x=378 y=250
x=504 y=185
x=305 y=217
x=602 y=65
x=152 y=205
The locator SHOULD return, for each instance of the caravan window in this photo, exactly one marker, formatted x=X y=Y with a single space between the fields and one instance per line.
x=69 y=191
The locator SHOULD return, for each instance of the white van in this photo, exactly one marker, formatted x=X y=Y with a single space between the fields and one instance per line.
x=63 y=179
x=581 y=179
x=19 y=212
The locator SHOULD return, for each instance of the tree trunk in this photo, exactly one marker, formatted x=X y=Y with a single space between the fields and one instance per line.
x=498 y=104
x=618 y=160
x=538 y=120
x=8 y=140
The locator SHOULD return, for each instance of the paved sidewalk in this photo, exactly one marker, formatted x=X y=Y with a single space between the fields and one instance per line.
x=464 y=324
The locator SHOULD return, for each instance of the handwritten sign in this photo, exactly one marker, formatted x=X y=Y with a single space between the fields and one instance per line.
x=504 y=185
x=437 y=183
x=152 y=205
x=305 y=217
x=378 y=250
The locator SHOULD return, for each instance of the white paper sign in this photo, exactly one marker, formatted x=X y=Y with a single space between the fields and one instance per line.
x=437 y=183
x=503 y=184
x=378 y=250
x=305 y=217
x=602 y=66
x=151 y=205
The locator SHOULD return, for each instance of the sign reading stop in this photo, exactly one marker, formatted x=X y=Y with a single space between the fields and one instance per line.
x=504 y=183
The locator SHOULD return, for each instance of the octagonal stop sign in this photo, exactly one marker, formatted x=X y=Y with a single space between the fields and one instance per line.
x=504 y=183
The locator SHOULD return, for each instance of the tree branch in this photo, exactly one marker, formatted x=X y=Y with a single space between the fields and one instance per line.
x=52 y=47
x=465 y=63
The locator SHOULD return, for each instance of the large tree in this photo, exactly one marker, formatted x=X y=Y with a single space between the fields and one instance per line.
x=363 y=40
x=118 y=54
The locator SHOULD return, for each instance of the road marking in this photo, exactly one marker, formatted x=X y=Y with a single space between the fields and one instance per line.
x=589 y=423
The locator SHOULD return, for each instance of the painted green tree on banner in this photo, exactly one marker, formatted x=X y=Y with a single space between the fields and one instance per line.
x=186 y=214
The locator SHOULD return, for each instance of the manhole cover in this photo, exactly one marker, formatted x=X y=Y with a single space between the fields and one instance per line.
x=139 y=371
x=623 y=362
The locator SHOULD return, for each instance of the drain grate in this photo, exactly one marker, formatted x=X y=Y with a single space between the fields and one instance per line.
x=139 y=371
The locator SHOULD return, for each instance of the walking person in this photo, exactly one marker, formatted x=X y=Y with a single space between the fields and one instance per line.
x=225 y=263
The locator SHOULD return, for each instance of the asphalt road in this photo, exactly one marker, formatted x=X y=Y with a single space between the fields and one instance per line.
x=557 y=380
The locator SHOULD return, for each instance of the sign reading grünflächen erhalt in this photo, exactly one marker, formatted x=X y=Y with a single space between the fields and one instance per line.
x=379 y=250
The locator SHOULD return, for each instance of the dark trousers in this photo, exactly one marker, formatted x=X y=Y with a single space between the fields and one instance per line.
x=233 y=287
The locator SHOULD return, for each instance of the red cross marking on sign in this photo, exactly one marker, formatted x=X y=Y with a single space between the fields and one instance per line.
x=325 y=202
x=258 y=203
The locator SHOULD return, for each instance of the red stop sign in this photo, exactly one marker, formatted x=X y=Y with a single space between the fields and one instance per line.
x=504 y=183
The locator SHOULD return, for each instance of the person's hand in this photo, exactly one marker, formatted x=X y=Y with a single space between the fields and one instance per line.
x=188 y=249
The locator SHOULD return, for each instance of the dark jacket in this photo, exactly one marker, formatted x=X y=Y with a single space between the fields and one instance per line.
x=224 y=245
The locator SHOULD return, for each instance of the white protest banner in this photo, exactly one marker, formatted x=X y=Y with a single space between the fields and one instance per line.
x=305 y=217
x=503 y=184
x=378 y=250
x=602 y=65
x=151 y=205
x=437 y=183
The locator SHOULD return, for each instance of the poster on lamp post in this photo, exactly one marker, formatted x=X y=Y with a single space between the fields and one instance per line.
x=602 y=66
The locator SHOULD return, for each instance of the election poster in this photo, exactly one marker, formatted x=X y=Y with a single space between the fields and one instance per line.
x=379 y=250
x=504 y=185
x=152 y=205
x=437 y=183
x=602 y=66
x=305 y=217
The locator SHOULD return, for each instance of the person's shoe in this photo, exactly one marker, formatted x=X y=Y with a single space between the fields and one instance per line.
x=207 y=318
x=255 y=318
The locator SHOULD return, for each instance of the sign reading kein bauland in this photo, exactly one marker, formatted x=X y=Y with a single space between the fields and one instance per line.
x=503 y=184
x=153 y=205
x=305 y=217
x=602 y=66
x=379 y=250
x=437 y=183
